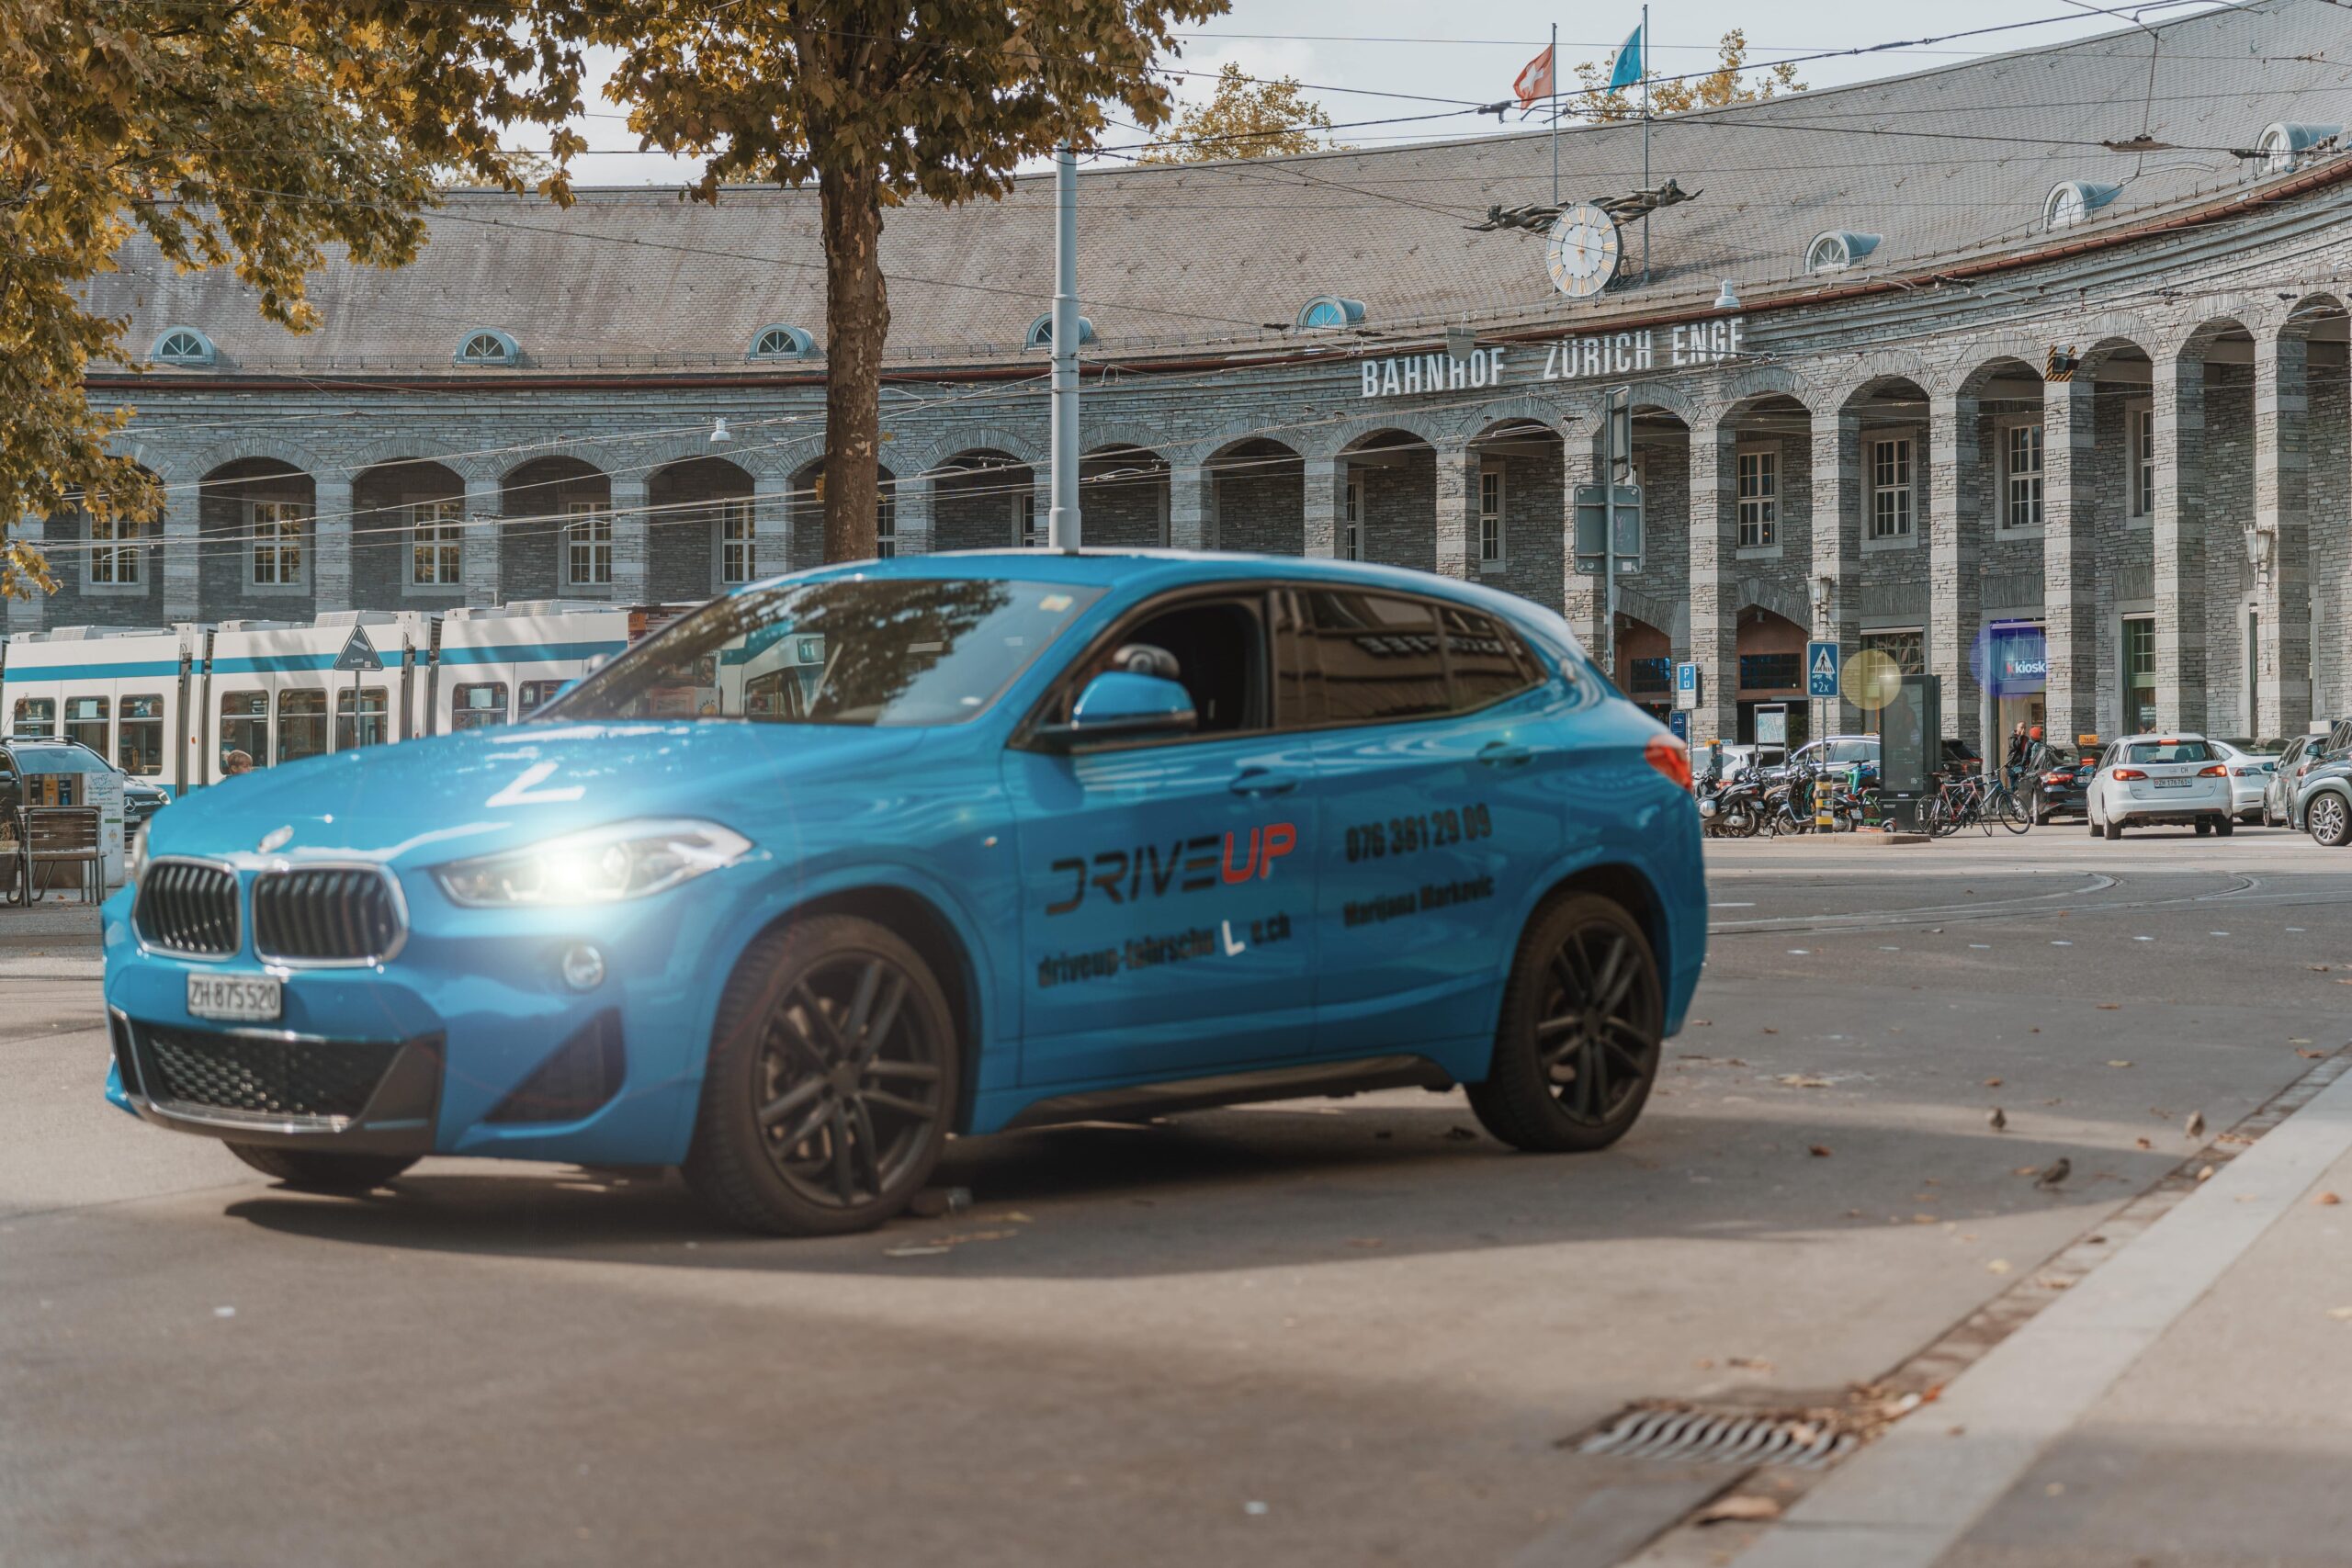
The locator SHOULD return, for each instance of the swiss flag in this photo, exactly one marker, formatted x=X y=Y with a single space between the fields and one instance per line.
x=1536 y=80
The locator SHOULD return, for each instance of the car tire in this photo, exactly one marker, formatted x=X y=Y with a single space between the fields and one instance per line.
x=2330 y=817
x=320 y=1170
x=2204 y=827
x=2225 y=826
x=833 y=1078
x=2113 y=830
x=1572 y=1070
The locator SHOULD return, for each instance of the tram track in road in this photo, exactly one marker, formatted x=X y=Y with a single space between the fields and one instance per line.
x=2081 y=899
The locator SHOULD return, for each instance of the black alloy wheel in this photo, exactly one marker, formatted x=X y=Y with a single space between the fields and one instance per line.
x=832 y=1082
x=1581 y=1031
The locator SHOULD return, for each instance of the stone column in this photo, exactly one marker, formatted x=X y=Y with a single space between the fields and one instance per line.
x=1457 y=510
x=183 y=565
x=25 y=611
x=1955 y=514
x=331 y=543
x=1327 y=506
x=2282 y=682
x=632 y=539
x=918 y=530
x=485 y=538
x=1714 y=587
x=1584 y=591
x=1838 y=490
x=771 y=528
x=1191 y=509
x=2070 y=555
x=2178 y=391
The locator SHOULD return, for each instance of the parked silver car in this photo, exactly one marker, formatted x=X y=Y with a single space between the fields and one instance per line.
x=2251 y=768
x=2279 y=786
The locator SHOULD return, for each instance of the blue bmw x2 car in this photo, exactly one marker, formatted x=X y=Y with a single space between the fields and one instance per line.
x=853 y=861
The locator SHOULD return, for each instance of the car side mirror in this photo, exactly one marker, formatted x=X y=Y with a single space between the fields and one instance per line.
x=1116 y=706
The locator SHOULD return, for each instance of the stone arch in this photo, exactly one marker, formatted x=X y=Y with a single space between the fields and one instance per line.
x=985 y=498
x=1887 y=364
x=409 y=533
x=2108 y=349
x=265 y=447
x=1761 y=381
x=1258 y=485
x=1352 y=434
x=745 y=450
x=1763 y=593
x=801 y=493
x=700 y=517
x=1988 y=358
x=257 y=531
x=1015 y=444
x=1524 y=406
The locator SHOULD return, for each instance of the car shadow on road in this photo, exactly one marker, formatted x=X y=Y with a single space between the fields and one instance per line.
x=1269 y=1187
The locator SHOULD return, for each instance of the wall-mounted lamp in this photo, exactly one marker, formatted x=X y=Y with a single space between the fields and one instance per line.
x=2261 y=549
x=1823 y=587
x=719 y=435
x=1729 y=299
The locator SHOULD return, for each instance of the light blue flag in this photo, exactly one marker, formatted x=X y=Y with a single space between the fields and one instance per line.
x=1629 y=62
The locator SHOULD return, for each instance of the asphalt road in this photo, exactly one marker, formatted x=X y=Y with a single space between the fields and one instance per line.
x=1306 y=1333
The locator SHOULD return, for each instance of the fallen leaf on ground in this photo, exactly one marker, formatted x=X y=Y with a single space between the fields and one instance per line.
x=2327 y=1200
x=1999 y=1266
x=2111 y=1007
x=1923 y=1219
x=1702 y=1023
x=2144 y=1143
x=1748 y=1363
x=1726 y=1510
x=1798 y=1080
x=1819 y=1151
x=2312 y=1056
x=1705 y=1363
x=2119 y=1064
x=1992 y=1083
x=2341 y=1315
x=2206 y=1174
x=1367 y=1241
x=2026 y=1170
x=1771 y=1031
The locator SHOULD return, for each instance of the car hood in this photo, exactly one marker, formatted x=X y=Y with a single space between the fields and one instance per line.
x=428 y=801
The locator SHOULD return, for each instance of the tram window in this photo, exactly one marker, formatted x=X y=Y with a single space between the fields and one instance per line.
x=372 y=709
x=85 y=721
x=776 y=694
x=477 y=706
x=138 y=737
x=35 y=715
x=244 y=728
x=537 y=695
x=301 y=725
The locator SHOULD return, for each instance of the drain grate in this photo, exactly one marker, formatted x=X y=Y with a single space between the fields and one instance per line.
x=1806 y=1440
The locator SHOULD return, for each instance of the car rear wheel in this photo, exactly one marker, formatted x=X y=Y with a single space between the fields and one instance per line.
x=2114 y=830
x=320 y=1169
x=833 y=1077
x=2225 y=826
x=2203 y=827
x=1583 y=1018
x=2331 y=821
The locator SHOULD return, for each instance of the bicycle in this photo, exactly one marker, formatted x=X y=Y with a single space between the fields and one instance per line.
x=2000 y=802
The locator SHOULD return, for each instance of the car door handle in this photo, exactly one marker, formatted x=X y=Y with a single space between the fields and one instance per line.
x=1503 y=754
x=1262 y=781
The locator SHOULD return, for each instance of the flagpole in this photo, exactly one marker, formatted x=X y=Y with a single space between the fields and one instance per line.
x=1555 y=113
x=1646 y=138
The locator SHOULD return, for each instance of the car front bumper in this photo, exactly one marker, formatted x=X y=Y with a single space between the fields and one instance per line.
x=468 y=1042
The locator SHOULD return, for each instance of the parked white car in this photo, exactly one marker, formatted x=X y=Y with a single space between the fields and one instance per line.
x=2145 y=781
x=2251 y=768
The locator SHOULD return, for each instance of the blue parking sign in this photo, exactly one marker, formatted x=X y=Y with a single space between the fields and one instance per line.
x=1821 y=669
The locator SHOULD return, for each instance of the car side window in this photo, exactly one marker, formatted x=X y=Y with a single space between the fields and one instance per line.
x=1488 y=663
x=1350 y=658
x=1219 y=648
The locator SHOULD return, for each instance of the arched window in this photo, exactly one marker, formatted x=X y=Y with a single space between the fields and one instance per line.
x=2286 y=145
x=182 y=345
x=781 y=343
x=1837 y=250
x=2071 y=201
x=1041 y=332
x=487 y=346
x=1327 y=310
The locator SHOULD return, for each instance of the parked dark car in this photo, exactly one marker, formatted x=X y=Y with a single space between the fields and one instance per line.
x=140 y=800
x=2061 y=781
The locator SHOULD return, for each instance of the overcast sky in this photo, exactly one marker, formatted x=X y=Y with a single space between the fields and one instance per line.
x=1370 y=60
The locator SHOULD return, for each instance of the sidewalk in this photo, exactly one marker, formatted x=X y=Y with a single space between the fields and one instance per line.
x=54 y=923
x=2185 y=1404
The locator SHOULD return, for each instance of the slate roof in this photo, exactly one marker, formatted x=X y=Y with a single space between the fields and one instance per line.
x=1943 y=163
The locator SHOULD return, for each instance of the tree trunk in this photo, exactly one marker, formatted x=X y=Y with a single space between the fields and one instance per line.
x=857 y=321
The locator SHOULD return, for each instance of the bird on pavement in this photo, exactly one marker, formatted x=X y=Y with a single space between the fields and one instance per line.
x=2195 y=1126
x=2059 y=1168
x=1997 y=1121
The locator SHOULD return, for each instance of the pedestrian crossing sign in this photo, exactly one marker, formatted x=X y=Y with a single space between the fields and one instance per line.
x=1821 y=669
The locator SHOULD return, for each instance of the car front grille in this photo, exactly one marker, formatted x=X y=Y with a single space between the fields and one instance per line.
x=325 y=914
x=187 y=906
x=263 y=1076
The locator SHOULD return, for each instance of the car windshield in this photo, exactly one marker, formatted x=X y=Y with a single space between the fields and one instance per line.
x=847 y=651
x=2168 y=751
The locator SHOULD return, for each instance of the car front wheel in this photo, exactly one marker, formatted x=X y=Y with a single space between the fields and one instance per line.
x=1583 y=1020
x=320 y=1169
x=833 y=1077
x=2331 y=821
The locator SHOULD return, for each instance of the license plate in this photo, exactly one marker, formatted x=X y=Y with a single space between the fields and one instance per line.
x=2174 y=783
x=241 y=999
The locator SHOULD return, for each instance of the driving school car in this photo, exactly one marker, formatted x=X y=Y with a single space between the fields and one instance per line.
x=854 y=860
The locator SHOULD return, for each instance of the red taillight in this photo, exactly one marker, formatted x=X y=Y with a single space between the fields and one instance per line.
x=1670 y=757
x=2057 y=778
x=2129 y=773
x=2215 y=772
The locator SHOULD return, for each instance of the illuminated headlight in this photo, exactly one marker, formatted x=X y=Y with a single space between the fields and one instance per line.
x=134 y=856
x=603 y=865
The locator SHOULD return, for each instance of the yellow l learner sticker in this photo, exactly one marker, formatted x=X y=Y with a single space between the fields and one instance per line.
x=1054 y=603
